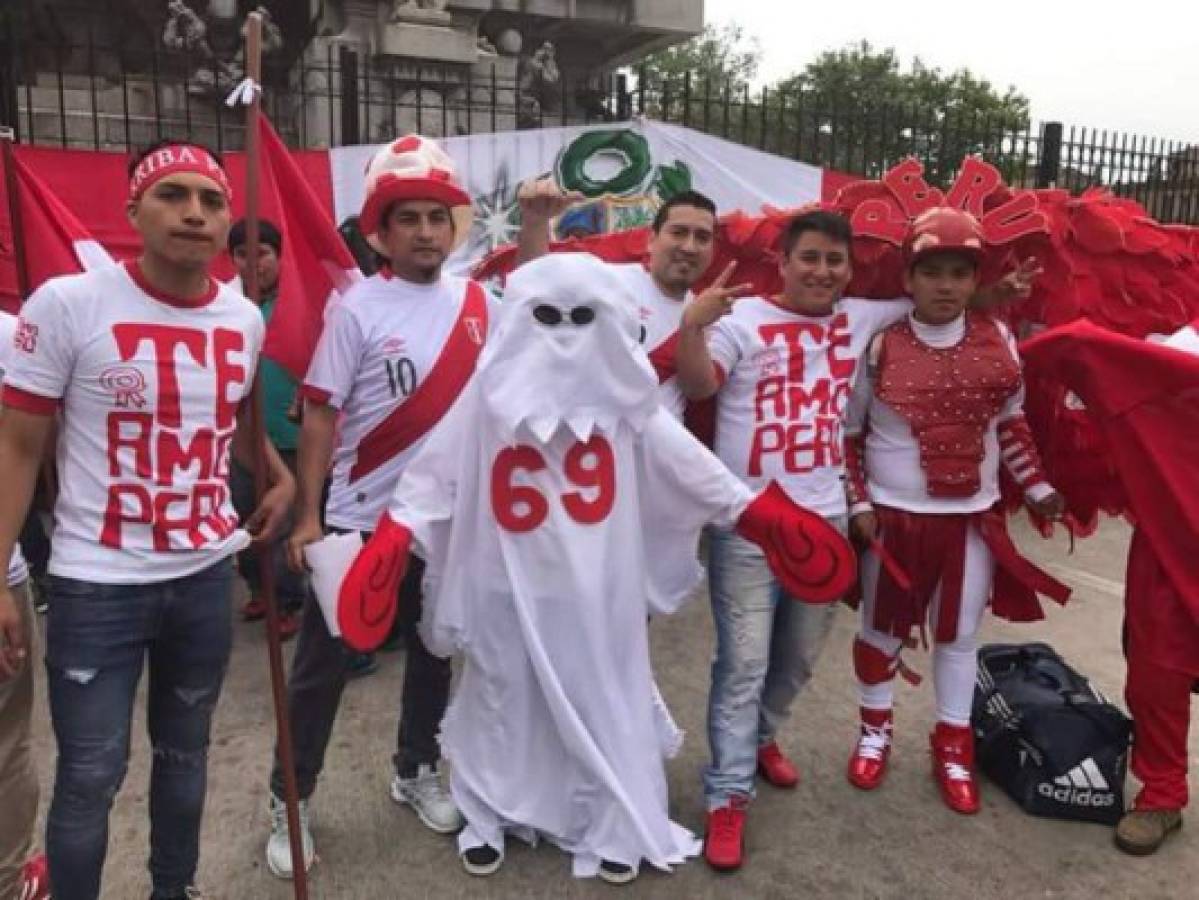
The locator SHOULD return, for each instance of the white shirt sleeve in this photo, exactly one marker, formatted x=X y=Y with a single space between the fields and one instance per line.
x=875 y=315
x=338 y=352
x=723 y=345
x=43 y=348
x=1014 y=405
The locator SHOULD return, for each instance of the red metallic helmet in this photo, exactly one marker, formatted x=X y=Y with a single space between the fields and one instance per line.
x=940 y=229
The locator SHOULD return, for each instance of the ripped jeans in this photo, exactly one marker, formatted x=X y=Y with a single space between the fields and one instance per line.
x=767 y=645
x=98 y=637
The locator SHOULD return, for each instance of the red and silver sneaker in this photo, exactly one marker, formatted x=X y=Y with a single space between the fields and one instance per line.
x=868 y=763
x=953 y=767
x=775 y=767
x=35 y=879
x=724 y=847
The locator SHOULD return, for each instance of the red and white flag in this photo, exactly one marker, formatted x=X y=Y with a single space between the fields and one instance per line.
x=55 y=242
x=316 y=264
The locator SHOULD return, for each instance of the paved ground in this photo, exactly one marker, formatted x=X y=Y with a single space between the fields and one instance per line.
x=823 y=840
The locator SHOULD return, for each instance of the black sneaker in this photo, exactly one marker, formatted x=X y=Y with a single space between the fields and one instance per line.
x=361 y=664
x=616 y=873
x=482 y=860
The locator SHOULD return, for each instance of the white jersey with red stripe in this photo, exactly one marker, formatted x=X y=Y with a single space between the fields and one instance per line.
x=17 y=570
x=149 y=387
x=660 y=316
x=788 y=379
x=379 y=344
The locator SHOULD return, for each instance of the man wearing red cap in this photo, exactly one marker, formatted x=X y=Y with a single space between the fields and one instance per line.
x=938 y=412
x=146 y=365
x=395 y=352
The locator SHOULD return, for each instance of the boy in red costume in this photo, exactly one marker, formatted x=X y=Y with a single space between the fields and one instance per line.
x=936 y=414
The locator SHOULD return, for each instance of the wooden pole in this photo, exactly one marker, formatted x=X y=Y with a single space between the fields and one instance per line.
x=7 y=136
x=258 y=438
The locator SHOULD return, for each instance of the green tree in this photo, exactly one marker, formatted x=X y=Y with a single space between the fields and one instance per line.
x=718 y=61
x=858 y=109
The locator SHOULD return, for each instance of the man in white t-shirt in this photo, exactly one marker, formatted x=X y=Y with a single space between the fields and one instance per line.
x=18 y=774
x=146 y=364
x=680 y=250
x=782 y=369
x=394 y=354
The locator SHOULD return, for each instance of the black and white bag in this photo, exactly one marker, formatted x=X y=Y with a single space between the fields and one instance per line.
x=1047 y=737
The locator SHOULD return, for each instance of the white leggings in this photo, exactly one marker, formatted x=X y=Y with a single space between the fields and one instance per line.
x=954 y=664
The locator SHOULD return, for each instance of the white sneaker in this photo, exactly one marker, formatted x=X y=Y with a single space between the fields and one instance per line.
x=431 y=801
x=278 y=846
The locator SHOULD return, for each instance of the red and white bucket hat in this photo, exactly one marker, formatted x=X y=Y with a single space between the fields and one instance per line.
x=413 y=168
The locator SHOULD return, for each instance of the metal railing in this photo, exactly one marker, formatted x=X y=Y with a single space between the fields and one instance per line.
x=87 y=95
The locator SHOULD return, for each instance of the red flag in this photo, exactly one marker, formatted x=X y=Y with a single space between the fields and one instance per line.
x=316 y=264
x=55 y=242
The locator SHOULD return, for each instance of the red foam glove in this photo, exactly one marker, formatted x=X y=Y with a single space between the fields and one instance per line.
x=810 y=557
x=367 y=601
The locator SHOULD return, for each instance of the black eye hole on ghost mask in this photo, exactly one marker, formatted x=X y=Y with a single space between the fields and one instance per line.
x=551 y=315
x=644 y=335
x=547 y=315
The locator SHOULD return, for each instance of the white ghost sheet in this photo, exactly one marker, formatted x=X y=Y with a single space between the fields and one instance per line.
x=552 y=529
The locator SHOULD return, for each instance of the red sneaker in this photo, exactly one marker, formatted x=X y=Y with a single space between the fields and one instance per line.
x=868 y=763
x=35 y=879
x=723 y=847
x=953 y=767
x=289 y=625
x=775 y=767
x=254 y=609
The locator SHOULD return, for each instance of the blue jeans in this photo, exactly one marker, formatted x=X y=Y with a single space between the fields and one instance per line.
x=766 y=648
x=98 y=637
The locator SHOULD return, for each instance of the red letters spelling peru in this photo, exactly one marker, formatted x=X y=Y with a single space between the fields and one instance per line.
x=797 y=414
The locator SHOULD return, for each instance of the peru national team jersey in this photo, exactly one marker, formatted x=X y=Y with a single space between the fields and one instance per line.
x=379 y=344
x=149 y=387
x=789 y=377
x=17 y=570
x=660 y=316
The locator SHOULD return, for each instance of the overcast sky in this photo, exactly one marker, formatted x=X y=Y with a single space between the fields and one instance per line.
x=1125 y=66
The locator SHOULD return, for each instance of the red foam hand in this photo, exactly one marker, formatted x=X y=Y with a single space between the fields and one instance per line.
x=366 y=604
x=811 y=559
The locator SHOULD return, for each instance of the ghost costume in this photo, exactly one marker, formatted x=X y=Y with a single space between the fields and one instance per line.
x=557 y=506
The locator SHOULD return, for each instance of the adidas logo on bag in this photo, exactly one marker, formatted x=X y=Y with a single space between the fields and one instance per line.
x=1084 y=785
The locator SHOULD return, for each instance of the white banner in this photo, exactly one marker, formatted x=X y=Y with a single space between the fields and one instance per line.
x=626 y=170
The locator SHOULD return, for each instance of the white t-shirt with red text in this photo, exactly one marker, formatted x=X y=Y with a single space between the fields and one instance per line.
x=788 y=380
x=149 y=387
x=660 y=316
x=17 y=570
x=379 y=343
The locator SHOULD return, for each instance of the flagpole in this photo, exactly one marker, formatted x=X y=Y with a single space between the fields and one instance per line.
x=258 y=438
x=7 y=136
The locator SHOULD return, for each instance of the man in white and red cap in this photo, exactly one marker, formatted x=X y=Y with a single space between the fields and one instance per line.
x=395 y=352
x=145 y=365
x=937 y=413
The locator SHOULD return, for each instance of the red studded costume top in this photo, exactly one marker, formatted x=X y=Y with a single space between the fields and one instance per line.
x=948 y=396
x=937 y=415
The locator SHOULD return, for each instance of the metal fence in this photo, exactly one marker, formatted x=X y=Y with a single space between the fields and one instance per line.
x=93 y=95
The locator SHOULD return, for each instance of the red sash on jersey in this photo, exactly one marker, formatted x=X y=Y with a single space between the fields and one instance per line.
x=662 y=358
x=413 y=419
